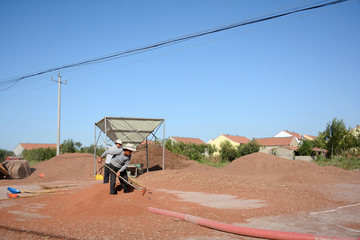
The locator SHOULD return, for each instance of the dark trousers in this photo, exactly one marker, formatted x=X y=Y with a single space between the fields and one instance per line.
x=106 y=173
x=123 y=174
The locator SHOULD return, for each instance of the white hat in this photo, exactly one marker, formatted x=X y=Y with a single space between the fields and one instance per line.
x=130 y=147
x=118 y=141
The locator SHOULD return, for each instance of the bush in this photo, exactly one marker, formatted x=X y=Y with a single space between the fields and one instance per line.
x=5 y=153
x=248 y=148
x=345 y=163
x=305 y=148
x=39 y=154
x=99 y=150
x=68 y=146
x=228 y=152
x=193 y=151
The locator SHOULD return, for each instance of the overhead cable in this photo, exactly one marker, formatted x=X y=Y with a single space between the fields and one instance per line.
x=6 y=84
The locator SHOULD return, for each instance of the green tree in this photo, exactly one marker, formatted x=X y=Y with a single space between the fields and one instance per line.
x=191 y=150
x=334 y=136
x=39 y=154
x=5 y=153
x=210 y=149
x=90 y=149
x=248 y=148
x=227 y=151
x=69 y=146
x=305 y=148
x=320 y=141
x=78 y=145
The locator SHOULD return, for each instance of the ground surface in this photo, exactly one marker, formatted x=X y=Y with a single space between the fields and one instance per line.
x=257 y=191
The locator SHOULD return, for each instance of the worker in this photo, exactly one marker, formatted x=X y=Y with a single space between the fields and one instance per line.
x=118 y=144
x=118 y=163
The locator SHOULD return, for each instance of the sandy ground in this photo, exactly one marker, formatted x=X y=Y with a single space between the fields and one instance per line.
x=257 y=191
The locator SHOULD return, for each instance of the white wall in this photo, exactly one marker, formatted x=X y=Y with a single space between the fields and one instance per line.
x=18 y=150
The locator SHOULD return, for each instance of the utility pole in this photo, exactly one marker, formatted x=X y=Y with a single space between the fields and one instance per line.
x=58 y=120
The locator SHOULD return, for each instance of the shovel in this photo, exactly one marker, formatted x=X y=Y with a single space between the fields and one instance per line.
x=15 y=191
x=15 y=195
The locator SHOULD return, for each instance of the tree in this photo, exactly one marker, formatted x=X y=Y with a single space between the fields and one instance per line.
x=305 y=148
x=39 y=154
x=320 y=141
x=68 y=146
x=90 y=149
x=248 y=148
x=78 y=145
x=5 y=153
x=227 y=151
x=334 y=136
x=191 y=150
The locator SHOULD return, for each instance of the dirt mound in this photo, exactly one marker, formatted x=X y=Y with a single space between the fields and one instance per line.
x=155 y=155
x=263 y=163
x=68 y=166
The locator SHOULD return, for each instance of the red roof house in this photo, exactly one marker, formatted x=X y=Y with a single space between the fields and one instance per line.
x=187 y=140
x=29 y=146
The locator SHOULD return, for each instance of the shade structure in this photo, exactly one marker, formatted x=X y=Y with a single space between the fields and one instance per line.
x=128 y=130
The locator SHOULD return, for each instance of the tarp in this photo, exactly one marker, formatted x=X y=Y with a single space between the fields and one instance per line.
x=17 y=168
x=129 y=130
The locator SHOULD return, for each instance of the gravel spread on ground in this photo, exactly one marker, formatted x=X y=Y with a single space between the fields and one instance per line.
x=256 y=186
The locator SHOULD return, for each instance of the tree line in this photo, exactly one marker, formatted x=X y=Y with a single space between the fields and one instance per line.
x=203 y=152
x=42 y=154
x=336 y=139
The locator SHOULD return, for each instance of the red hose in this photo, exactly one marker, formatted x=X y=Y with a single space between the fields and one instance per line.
x=245 y=231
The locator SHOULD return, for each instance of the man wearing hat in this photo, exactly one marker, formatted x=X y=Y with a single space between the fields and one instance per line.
x=118 y=163
x=118 y=144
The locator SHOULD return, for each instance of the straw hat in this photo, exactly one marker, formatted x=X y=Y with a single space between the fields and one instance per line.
x=118 y=141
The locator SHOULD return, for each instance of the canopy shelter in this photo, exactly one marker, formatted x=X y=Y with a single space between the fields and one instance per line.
x=128 y=130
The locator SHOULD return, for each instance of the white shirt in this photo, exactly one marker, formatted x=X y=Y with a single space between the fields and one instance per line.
x=109 y=156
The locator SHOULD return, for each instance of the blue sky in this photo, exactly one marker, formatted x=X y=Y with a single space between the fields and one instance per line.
x=294 y=73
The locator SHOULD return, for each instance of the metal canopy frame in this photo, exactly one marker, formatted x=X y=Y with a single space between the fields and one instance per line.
x=129 y=130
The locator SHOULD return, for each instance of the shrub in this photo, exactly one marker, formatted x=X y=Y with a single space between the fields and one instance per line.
x=193 y=151
x=305 y=148
x=39 y=154
x=5 y=153
x=227 y=151
x=248 y=148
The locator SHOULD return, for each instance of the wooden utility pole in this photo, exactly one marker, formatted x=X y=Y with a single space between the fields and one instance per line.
x=58 y=120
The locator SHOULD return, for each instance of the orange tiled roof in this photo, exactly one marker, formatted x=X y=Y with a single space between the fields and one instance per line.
x=275 y=141
x=309 y=137
x=29 y=146
x=189 y=140
x=237 y=139
x=150 y=142
x=297 y=135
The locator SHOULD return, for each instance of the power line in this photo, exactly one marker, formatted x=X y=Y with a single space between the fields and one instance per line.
x=4 y=85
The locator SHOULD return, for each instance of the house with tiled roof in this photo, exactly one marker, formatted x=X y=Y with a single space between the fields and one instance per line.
x=187 y=140
x=298 y=136
x=279 y=146
x=29 y=146
x=278 y=141
x=234 y=140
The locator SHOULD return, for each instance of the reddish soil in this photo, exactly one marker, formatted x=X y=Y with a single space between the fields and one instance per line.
x=281 y=188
